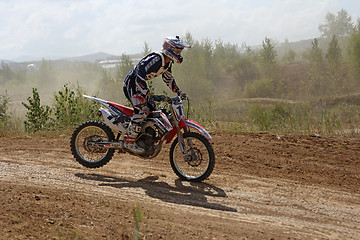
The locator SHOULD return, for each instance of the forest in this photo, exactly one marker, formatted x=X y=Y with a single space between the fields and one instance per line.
x=308 y=87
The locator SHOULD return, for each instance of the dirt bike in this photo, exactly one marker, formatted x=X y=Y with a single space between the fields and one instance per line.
x=192 y=157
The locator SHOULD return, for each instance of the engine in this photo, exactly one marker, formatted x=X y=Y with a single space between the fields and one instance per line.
x=152 y=131
x=149 y=136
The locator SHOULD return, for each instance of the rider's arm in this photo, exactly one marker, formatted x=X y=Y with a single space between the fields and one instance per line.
x=170 y=81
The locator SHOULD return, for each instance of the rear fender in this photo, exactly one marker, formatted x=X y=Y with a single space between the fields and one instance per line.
x=191 y=124
x=114 y=107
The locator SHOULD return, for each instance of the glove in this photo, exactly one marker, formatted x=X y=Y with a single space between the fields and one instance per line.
x=158 y=98
x=151 y=105
x=182 y=95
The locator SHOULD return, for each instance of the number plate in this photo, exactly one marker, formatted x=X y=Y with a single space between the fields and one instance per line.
x=179 y=110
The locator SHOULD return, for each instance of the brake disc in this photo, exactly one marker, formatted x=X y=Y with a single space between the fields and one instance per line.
x=93 y=149
x=194 y=157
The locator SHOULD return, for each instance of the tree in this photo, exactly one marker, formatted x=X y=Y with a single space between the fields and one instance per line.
x=289 y=57
x=109 y=86
x=192 y=75
x=316 y=54
x=354 y=50
x=4 y=101
x=267 y=59
x=316 y=84
x=70 y=107
x=38 y=116
x=45 y=75
x=126 y=64
x=146 y=49
x=333 y=54
x=6 y=74
x=339 y=25
x=335 y=66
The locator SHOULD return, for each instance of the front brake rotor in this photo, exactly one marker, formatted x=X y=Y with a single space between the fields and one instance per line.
x=194 y=157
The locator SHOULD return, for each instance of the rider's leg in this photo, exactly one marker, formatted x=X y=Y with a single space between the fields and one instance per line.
x=132 y=133
x=134 y=128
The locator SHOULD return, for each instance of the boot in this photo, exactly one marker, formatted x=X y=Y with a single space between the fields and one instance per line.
x=130 y=142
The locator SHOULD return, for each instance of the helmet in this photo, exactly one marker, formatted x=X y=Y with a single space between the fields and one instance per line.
x=172 y=48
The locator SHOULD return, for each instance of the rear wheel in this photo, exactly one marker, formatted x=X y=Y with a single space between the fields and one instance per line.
x=86 y=153
x=198 y=164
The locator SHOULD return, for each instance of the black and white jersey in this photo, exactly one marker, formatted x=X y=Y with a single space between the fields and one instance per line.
x=148 y=68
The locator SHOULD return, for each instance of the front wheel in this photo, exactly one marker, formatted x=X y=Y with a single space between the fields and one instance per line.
x=199 y=162
x=82 y=146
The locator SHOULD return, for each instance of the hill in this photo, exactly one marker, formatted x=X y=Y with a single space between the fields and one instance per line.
x=95 y=57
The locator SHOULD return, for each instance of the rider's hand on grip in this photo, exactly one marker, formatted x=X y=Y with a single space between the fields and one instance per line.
x=158 y=98
x=182 y=95
x=151 y=105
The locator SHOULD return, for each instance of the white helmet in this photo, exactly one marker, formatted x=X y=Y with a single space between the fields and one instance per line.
x=172 y=48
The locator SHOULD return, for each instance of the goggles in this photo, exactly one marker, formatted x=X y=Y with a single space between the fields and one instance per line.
x=177 y=51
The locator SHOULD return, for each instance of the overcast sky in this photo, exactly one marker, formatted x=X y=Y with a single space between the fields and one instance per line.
x=65 y=28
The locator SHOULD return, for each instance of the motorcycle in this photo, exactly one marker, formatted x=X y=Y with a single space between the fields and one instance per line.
x=192 y=156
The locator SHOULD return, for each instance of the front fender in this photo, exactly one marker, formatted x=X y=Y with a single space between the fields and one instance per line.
x=191 y=124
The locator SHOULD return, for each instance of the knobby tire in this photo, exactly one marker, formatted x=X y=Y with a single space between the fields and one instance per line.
x=109 y=152
x=210 y=152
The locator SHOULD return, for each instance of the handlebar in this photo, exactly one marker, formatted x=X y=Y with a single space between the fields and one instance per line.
x=171 y=100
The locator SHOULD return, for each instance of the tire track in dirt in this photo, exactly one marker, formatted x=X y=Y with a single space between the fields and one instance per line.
x=282 y=207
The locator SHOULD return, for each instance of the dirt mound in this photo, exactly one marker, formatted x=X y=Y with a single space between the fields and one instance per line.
x=350 y=99
x=263 y=187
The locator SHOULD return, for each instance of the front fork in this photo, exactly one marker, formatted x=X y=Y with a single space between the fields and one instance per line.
x=182 y=142
x=181 y=138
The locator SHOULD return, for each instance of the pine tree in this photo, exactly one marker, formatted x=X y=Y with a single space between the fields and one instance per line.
x=267 y=59
x=354 y=52
x=316 y=85
x=335 y=67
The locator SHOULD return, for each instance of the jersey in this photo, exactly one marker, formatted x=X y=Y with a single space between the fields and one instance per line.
x=149 y=67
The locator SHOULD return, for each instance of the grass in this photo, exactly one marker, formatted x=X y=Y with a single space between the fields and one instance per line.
x=337 y=115
x=138 y=215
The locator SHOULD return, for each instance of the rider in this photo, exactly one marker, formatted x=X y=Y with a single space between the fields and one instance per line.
x=137 y=91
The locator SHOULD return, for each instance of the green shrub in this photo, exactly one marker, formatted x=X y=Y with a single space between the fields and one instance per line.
x=4 y=116
x=4 y=101
x=261 y=88
x=38 y=116
x=71 y=108
x=261 y=117
x=283 y=117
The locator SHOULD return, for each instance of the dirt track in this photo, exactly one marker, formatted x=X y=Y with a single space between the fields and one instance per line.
x=263 y=187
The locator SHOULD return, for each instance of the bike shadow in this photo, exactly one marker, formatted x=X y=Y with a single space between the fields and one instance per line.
x=192 y=195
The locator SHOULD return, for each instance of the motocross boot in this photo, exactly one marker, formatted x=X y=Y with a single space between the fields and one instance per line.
x=130 y=142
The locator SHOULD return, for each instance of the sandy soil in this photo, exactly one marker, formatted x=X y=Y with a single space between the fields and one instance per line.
x=263 y=187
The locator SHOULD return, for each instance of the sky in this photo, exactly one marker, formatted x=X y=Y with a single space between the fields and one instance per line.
x=66 y=28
